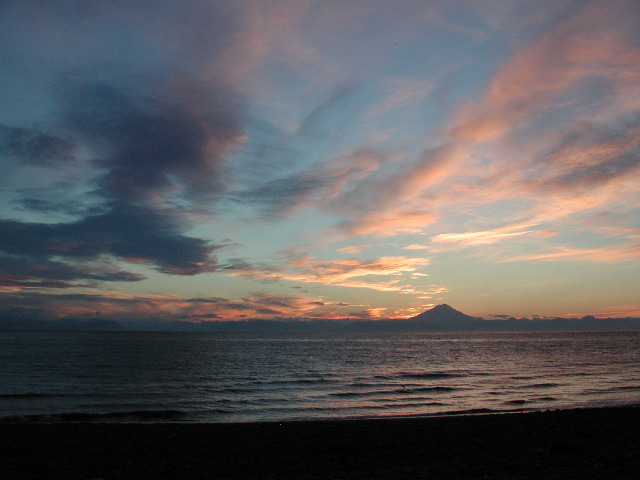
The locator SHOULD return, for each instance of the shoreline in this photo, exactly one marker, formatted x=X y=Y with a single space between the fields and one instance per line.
x=577 y=443
x=171 y=416
x=180 y=417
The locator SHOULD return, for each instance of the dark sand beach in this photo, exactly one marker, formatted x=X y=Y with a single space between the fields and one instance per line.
x=585 y=443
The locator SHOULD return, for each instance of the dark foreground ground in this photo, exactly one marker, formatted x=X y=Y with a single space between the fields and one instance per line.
x=590 y=443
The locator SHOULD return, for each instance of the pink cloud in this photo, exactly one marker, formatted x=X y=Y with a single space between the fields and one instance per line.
x=350 y=273
x=487 y=237
x=517 y=148
x=390 y=222
x=416 y=246
x=624 y=253
x=351 y=249
x=593 y=43
x=171 y=307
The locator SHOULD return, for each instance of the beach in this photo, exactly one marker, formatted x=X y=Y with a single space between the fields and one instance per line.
x=580 y=443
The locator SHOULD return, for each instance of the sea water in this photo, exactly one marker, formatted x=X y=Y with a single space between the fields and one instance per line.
x=224 y=377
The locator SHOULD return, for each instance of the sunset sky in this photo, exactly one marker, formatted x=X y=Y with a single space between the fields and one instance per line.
x=206 y=160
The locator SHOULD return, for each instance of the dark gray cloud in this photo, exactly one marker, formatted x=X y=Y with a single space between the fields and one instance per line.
x=28 y=271
x=136 y=234
x=206 y=315
x=238 y=306
x=31 y=146
x=276 y=196
x=138 y=100
x=149 y=146
x=51 y=301
x=593 y=153
x=127 y=113
x=150 y=152
x=213 y=300
x=77 y=206
x=267 y=311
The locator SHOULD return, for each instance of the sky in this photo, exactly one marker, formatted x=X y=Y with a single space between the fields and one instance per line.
x=215 y=160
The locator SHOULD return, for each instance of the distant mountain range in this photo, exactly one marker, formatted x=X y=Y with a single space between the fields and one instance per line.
x=21 y=323
x=439 y=318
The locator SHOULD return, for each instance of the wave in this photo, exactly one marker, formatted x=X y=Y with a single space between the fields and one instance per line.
x=427 y=389
x=533 y=400
x=470 y=411
x=416 y=404
x=358 y=394
x=235 y=390
x=542 y=385
x=430 y=375
x=627 y=388
x=395 y=391
x=294 y=381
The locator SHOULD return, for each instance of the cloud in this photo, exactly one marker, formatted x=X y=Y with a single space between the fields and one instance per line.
x=389 y=201
x=22 y=271
x=32 y=146
x=351 y=249
x=554 y=73
x=611 y=254
x=314 y=187
x=401 y=92
x=134 y=234
x=170 y=307
x=619 y=311
x=489 y=236
x=148 y=136
x=389 y=223
x=149 y=147
x=553 y=138
x=282 y=194
x=352 y=273
x=127 y=125
x=416 y=246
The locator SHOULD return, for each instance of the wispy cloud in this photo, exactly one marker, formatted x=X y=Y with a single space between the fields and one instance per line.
x=140 y=140
x=532 y=145
x=416 y=246
x=611 y=254
x=487 y=237
x=350 y=250
x=351 y=273
x=401 y=92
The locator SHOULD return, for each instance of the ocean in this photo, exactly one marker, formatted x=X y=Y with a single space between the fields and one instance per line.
x=252 y=377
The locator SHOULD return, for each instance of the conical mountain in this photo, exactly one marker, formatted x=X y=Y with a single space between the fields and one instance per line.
x=443 y=314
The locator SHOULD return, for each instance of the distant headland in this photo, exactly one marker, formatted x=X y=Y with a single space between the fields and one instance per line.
x=441 y=318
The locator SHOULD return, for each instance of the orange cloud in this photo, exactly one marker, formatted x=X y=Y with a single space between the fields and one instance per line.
x=489 y=236
x=619 y=311
x=352 y=249
x=416 y=246
x=390 y=222
x=600 y=255
x=171 y=307
x=346 y=273
x=516 y=145
x=592 y=43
